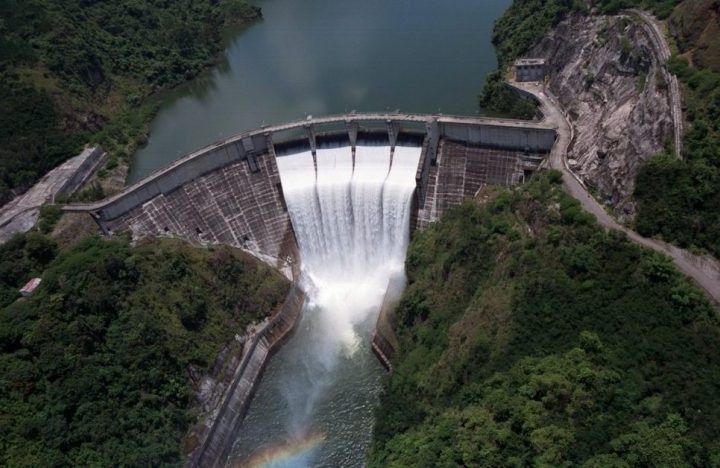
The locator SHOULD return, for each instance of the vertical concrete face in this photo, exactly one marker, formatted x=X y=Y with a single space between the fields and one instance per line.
x=433 y=139
x=352 y=128
x=230 y=192
x=219 y=438
x=530 y=70
x=393 y=128
x=461 y=170
x=235 y=205
x=310 y=131
x=536 y=140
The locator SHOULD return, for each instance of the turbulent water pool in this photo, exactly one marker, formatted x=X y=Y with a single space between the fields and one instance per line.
x=315 y=405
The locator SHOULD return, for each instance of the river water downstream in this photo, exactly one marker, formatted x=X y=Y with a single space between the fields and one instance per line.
x=314 y=406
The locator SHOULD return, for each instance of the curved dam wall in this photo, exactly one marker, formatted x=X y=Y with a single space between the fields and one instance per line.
x=230 y=192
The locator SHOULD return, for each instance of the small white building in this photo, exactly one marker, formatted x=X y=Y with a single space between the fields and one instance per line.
x=530 y=69
x=29 y=289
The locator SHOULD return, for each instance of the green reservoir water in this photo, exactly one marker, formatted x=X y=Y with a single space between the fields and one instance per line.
x=315 y=404
x=330 y=56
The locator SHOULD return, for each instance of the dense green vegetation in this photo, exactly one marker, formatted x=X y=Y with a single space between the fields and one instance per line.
x=70 y=68
x=551 y=342
x=696 y=28
x=23 y=257
x=678 y=199
x=94 y=369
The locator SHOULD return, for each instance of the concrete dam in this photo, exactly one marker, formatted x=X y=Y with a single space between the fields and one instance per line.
x=331 y=202
x=231 y=192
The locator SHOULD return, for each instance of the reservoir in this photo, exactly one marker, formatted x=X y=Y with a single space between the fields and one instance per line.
x=315 y=404
x=322 y=57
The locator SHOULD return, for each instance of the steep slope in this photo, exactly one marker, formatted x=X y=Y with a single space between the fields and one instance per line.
x=549 y=342
x=696 y=26
x=101 y=366
x=610 y=81
x=673 y=198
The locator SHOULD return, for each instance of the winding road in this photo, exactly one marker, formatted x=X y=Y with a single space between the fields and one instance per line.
x=704 y=270
x=662 y=49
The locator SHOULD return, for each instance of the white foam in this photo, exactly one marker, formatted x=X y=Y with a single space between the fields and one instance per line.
x=352 y=227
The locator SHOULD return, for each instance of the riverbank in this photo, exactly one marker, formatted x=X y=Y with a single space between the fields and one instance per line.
x=210 y=442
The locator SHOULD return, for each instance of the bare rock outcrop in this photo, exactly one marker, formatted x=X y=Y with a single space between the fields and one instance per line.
x=607 y=76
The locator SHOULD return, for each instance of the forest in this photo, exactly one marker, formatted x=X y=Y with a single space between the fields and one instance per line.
x=552 y=342
x=74 y=72
x=100 y=366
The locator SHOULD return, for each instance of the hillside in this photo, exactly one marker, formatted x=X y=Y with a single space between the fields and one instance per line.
x=677 y=199
x=525 y=23
x=550 y=342
x=612 y=57
x=79 y=71
x=673 y=198
x=696 y=26
x=101 y=366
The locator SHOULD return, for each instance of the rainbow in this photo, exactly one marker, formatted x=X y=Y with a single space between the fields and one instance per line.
x=294 y=452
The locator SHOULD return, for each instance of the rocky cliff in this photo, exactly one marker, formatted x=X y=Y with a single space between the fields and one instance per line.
x=606 y=74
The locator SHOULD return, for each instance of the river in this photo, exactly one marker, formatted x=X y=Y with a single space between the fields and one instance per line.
x=314 y=406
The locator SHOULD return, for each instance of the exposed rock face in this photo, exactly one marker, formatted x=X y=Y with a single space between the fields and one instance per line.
x=606 y=74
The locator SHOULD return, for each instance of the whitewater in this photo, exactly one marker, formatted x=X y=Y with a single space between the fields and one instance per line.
x=314 y=406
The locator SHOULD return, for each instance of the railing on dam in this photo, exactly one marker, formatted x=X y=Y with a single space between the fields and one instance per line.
x=248 y=146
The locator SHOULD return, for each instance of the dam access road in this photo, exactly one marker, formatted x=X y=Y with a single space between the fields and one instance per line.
x=704 y=270
x=662 y=49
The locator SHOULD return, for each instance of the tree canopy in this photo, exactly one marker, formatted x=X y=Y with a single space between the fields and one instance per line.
x=551 y=342
x=69 y=68
x=96 y=369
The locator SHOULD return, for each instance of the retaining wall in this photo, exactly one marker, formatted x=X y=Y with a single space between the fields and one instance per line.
x=91 y=160
x=218 y=443
x=235 y=206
